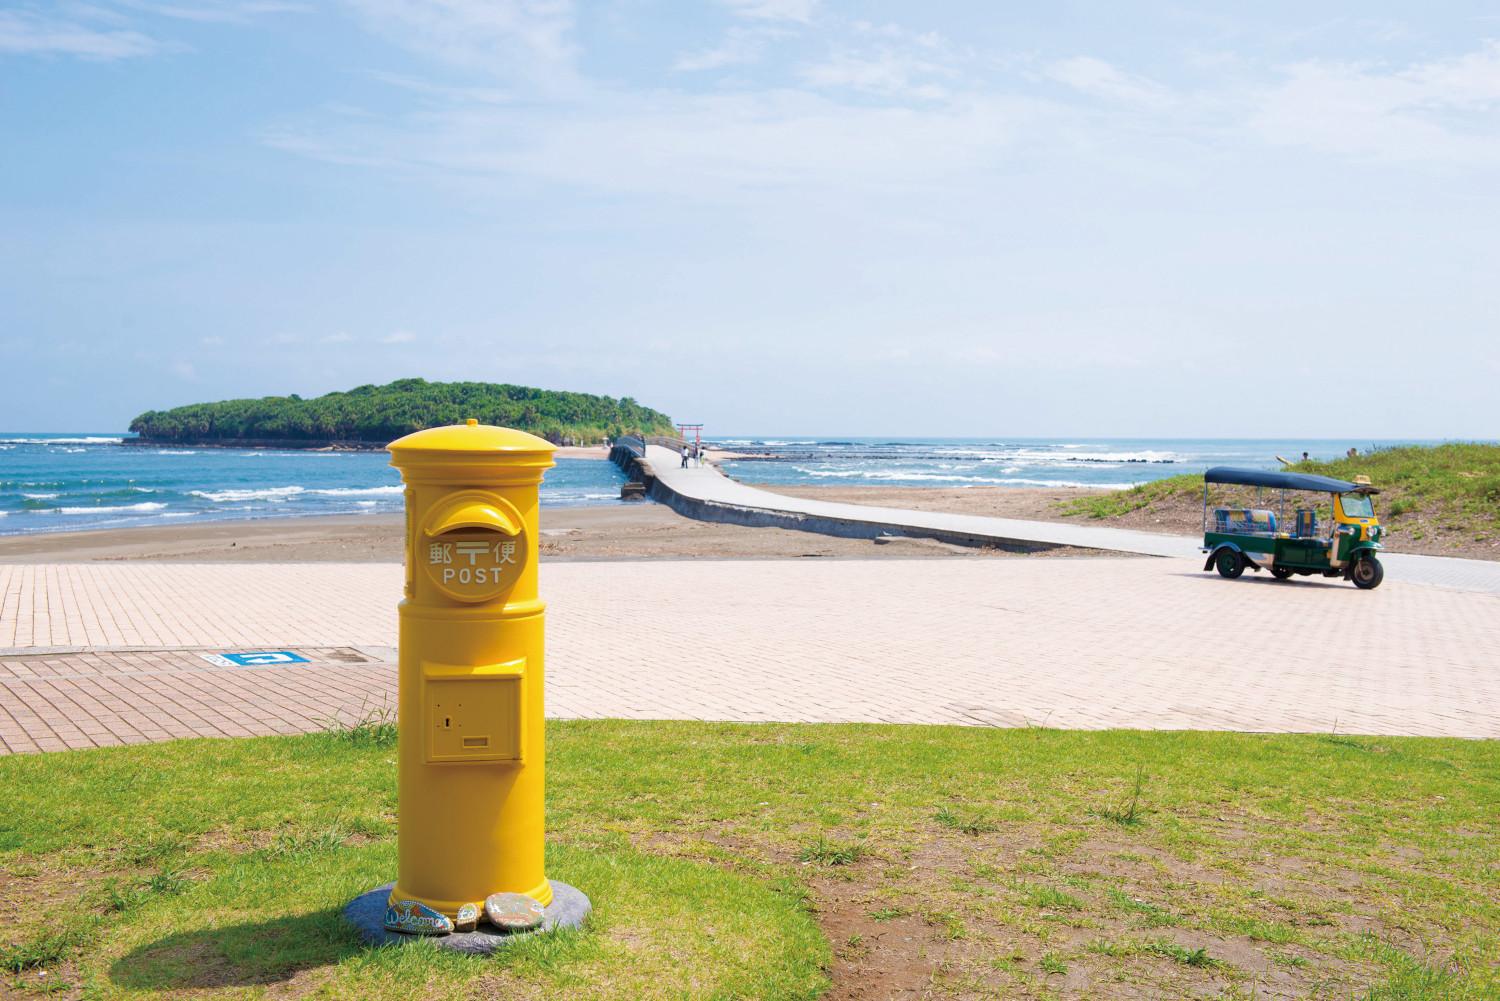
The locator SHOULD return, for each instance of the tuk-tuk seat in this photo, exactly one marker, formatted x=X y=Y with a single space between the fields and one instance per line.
x=1307 y=524
x=1244 y=521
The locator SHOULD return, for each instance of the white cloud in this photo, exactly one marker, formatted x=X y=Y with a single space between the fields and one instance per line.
x=1440 y=110
x=342 y=337
x=211 y=341
x=216 y=11
x=1098 y=78
x=23 y=32
x=709 y=146
x=184 y=370
x=801 y=11
x=886 y=72
x=103 y=33
x=894 y=109
x=399 y=337
x=889 y=60
x=740 y=47
x=528 y=39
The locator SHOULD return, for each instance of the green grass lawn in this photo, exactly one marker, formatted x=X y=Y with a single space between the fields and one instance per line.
x=734 y=861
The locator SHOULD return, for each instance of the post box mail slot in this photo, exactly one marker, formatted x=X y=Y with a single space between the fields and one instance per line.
x=474 y=713
x=474 y=545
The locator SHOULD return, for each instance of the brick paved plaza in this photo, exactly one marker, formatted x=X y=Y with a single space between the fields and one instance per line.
x=110 y=653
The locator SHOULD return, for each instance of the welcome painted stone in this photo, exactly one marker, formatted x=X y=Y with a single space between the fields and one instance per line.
x=514 y=911
x=468 y=917
x=413 y=917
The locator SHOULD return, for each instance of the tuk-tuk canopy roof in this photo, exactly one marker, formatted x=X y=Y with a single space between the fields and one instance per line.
x=1285 y=481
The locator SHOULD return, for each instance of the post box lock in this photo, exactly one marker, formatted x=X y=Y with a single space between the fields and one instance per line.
x=474 y=713
x=474 y=545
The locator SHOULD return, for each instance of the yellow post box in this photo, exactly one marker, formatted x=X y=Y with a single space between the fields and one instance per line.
x=471 y=632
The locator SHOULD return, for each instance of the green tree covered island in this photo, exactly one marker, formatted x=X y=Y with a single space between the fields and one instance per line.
x=374 y=415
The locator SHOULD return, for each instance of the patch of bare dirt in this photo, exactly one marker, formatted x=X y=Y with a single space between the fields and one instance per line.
x=873 y=959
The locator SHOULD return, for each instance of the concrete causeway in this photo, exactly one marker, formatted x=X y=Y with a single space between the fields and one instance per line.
x=706 y=493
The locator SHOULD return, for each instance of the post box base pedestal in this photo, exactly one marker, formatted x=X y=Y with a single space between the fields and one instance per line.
x=367 y=913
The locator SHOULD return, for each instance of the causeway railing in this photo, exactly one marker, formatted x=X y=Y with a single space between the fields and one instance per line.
x=636 y=446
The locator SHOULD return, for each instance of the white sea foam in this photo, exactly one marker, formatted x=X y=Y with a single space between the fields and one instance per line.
x=365 y=504
x=897 y=475
x=88 y=440
x=1021 y=481
x=177 y=514
x=143 y=506
x=357 y=491
x=1052 y=458
x=174 y=451
x=273 y=494
x=41 y=496
x=975 y=453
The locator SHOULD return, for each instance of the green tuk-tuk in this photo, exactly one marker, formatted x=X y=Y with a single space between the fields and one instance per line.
x=1237 y=537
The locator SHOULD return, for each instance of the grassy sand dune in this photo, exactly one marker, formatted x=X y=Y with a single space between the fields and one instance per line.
x=1441 y=500
x=785 y=862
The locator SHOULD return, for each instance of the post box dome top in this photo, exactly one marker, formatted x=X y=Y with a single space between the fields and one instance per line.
x=472 y=438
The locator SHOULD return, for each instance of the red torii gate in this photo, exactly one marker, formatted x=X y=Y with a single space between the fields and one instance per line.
x=697 y=429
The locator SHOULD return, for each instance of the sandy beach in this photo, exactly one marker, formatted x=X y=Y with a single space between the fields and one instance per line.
x=643 y=530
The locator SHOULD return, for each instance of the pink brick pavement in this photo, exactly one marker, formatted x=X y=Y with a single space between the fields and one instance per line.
x=1078 y=643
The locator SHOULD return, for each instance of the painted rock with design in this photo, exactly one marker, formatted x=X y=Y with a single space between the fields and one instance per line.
x=514 y=911
x=468 y=917
x=412 y=917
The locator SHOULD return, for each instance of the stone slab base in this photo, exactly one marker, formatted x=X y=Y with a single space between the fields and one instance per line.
x=367 y=913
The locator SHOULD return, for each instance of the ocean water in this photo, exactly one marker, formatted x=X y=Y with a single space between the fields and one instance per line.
x=66 y=482
x=1110 y=463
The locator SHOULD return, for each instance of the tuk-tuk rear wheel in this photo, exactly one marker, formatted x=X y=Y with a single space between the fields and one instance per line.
x=1281 y=573
x=1367 y=573
x=1229 y=563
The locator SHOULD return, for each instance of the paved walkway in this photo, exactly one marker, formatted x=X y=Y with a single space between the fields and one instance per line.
x=706 y=485
x=55 y=701
x=1079 y=643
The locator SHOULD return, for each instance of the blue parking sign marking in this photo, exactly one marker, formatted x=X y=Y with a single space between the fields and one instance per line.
x=255 y=658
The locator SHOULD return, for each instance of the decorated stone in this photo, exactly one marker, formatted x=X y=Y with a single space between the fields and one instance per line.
x=468 y=917
x=415 y=918
x=514 y=911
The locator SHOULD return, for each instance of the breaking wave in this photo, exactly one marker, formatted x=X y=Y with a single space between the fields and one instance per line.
x=107 y=508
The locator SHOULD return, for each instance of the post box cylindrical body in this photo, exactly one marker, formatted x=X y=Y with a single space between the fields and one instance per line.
x=471 y=638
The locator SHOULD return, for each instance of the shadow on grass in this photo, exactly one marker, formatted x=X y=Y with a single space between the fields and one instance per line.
x=244 y=955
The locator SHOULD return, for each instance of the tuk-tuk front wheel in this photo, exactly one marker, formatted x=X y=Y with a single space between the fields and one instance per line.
x=1229 y=563
x=1281 y=573
x=1367 y=573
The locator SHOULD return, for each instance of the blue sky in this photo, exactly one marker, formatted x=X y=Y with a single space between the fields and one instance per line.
x=771 y=216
